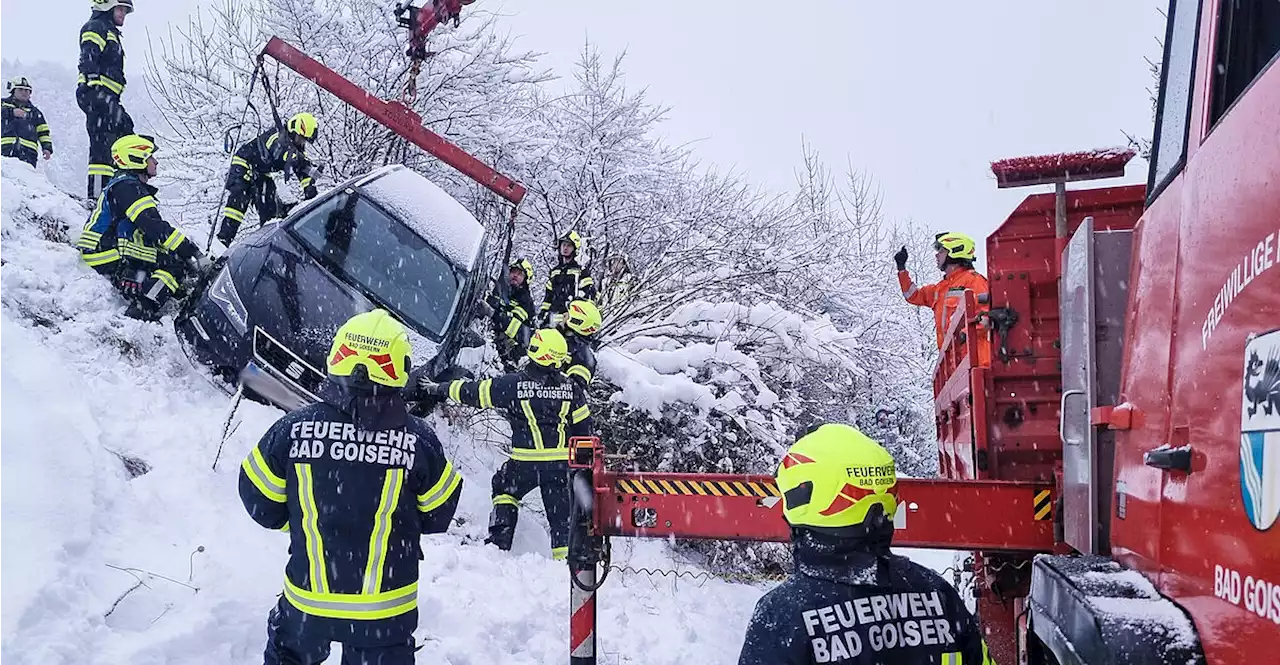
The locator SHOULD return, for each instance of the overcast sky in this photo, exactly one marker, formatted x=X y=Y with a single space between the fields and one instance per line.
x=921 y=94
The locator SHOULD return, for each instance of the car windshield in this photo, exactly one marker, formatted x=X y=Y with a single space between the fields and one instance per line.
x=368 y=248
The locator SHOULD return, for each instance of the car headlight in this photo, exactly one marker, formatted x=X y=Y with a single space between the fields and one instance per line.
x=223 y=293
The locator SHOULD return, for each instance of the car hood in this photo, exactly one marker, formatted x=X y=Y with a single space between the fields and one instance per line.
x=301 y=304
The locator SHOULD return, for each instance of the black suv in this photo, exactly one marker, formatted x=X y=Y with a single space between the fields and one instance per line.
x=390 y=239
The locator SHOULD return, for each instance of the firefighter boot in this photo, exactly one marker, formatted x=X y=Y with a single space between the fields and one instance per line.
x=143 y=308
x=502 y=522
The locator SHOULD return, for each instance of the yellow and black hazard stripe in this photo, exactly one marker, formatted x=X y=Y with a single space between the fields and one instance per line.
x=1043 y=505
x=697 y=487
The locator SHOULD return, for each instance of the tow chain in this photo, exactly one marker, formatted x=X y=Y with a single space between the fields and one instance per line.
x=409 y=95
x=701 y=577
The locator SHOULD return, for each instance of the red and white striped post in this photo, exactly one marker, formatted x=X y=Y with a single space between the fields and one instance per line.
x=582 y=617
x=584 y=551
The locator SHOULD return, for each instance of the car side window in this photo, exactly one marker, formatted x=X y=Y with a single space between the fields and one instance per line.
x=1174 y=107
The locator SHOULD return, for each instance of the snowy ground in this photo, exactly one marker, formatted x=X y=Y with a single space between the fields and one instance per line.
x=165 y=567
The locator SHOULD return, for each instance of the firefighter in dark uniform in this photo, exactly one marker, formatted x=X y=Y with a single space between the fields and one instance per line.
x=100 y=86
x=355 y=481
x=579 y=325
x=126 y=239
x=249 y=180
x=518 y=309
x=25 y=132
x=850 y=599
x=545 y=409
x=568 y=280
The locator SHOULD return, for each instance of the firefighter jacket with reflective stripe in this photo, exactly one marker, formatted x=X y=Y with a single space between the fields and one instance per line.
x=944 y=299
x=25 y=132
x=566 y=283
x=126 y=218
x=545 y=409
x=582 y=354
x=520 y=304
x=101 y=55
x=861 y=605
x=355 y=503
x=270 y=153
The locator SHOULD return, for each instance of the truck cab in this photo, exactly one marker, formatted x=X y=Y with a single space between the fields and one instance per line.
x=1137 y=367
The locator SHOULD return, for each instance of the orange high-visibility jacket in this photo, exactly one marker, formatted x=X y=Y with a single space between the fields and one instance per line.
x=944 y=298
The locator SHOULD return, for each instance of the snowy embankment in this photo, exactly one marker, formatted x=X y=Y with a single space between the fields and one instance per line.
x=104 y=566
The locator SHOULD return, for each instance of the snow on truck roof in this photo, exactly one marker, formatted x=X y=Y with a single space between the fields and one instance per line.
x=429 y=211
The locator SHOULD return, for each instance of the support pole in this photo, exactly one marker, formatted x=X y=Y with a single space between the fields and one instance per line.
x=1060 y=217
x=584 y=554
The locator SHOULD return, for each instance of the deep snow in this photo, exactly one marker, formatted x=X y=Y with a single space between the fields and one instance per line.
x=82 y=386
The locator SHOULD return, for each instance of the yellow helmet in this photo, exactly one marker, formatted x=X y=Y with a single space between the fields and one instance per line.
x=833 y=476
x=304 y=125
x=573 y=238
x=548 y=348
x=376 y=342
x=957 y=245
x=131 y=152
x=526 y=266
x=583 y=317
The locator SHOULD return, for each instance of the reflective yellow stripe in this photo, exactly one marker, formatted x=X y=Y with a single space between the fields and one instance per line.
x=167 y=279
x=262 y=477
x=111 y=37
x=304 y=182
x=174 y=241
x=107 y=83
x=94 y=38
x=353 y=605
x=586 y=281
x=559 y=553
x=102 y=169
x=505 y=500
x=564 y=420
x=101 y=258
x=581 y=413
x=392 y=481
x=272 y=139
x=455 y=390
x=543 y=455
x=42 y=129
x=239 y=161
x=581 y=372
x=233 y=214
x=513 y=328
x=527 y=407
x=440 y=492
x=144 y=203
x=29 y=144
x=285 y=528
x=8 y=140
x=311 y=529
x=486 y=394
x=986 y=655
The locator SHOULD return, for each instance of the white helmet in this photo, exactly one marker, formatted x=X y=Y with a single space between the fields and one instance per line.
x=108 y=5
x=19 y=82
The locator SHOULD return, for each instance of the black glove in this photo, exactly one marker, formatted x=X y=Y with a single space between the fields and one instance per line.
x=901 y=258
x=309 y=192
x=129 y=286
x=227 y=231
x=494 y=302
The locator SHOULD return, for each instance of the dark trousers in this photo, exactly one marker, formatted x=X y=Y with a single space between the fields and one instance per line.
x=516 y=479
x=294 y=638
x=21 y=152
x=245 y=188
x=105 y=120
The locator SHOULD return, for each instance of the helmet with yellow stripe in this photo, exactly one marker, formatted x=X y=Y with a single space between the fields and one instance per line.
x=548 y=348
x=371 y=347
x=837 y=479
x=132 y=152
x=956 y=245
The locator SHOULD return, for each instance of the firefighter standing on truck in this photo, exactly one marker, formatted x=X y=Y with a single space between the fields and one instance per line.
x=100 y=86
x=126 y=239
x=545 y=409
x=850 y=599
x=25 y=132
x=568 y=280
x=249 y=181
x=355 y=481
x=955 y=253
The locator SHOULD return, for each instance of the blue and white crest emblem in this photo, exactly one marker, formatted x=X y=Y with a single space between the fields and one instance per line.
x=1260 y=431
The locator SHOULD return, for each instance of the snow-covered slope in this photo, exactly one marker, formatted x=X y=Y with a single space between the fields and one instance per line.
x=100 y=566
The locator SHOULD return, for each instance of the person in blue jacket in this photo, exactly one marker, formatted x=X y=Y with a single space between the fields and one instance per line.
x=850 y=600
x=355 y=481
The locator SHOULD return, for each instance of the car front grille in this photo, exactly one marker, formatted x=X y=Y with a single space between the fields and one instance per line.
x=286 y=364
